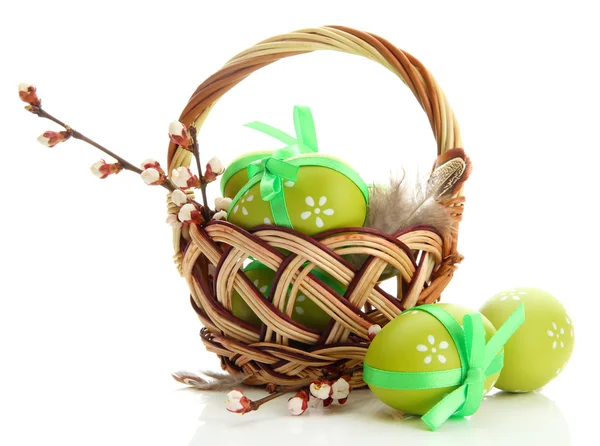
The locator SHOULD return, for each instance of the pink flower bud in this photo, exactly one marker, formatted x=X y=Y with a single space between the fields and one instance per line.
x=216 y=165
x=153 y=174
x=183 y=178
x=179 y=135
x=237 y=402
x=341 y=388
x=320 y=389
x=222 y=204
x=189 y=213
x=373 y=330
x=179 y=198
x=50 y=138
x=298 y=404
x=174 y=221
x=147 y=164
x=152 y=177
x=214 y=168
x=102 y=169
x=221 y=215
x=28 y=93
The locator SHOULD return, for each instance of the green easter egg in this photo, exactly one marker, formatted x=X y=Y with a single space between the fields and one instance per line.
x=321 y=198
x=305 y=311
x=262 y=277
x=540 y=349
x=236 y=175
x=309 y=313
x=416 y=341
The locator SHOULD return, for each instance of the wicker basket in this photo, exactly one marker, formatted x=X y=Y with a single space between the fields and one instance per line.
x=284 y=352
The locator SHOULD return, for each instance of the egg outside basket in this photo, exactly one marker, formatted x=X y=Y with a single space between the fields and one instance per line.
x=210 y=256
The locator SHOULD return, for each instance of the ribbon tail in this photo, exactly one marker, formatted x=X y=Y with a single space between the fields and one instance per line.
x=504 y=333
x=475 y=379
x=496 y=365
x=272 y=131
x=270 y=186
x=305 y=128
x=443 y=410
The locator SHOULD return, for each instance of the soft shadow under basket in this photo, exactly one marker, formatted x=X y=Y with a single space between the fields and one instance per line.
x=210 y=256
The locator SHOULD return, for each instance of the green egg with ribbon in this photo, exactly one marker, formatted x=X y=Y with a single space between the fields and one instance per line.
x=305 y=311
x=437 y=360
x=298 y=188
x=540 y=350
x=236 y=175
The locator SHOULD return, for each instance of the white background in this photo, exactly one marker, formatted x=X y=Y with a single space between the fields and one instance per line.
x=94 y=316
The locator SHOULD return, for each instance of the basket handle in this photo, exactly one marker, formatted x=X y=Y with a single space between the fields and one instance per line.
x=337 y=38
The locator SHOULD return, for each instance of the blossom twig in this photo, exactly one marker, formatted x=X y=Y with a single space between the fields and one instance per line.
x=39 y=111
x=196 y=152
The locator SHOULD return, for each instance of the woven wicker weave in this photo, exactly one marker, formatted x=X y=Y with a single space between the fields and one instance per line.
x=285 y=352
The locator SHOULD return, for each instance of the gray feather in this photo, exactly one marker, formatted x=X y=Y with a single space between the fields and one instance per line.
x=401 y=206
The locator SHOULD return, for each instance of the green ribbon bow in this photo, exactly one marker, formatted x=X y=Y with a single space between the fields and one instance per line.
x=274 y=169
x=478 y=361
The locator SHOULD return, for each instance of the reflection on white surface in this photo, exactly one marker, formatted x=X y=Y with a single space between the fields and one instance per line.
x=503 y=419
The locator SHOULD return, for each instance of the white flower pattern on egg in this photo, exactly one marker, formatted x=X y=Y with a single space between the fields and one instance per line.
x=310 y=201
x=512 y=294
x=432 y=350
x=556 y=333
x=245 y=198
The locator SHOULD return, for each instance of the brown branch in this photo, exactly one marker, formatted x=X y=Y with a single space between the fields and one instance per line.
x=78 y=135
x=196 y=153
x=279 y=391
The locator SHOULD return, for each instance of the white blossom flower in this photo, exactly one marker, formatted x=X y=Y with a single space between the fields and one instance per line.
x=340 y=389
x=373 y=330
x=149 y=162
x=221 y=215
x=178 y=134
x=183 y=178
x=320 y=389
x=237 y=402
x=102 y=169
x=151 y=176
x=298 y=404
x=178 y=197
x=174 y=221
x=215 y=165
x=222 y=204
x=189 y=214
x=50 y=138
